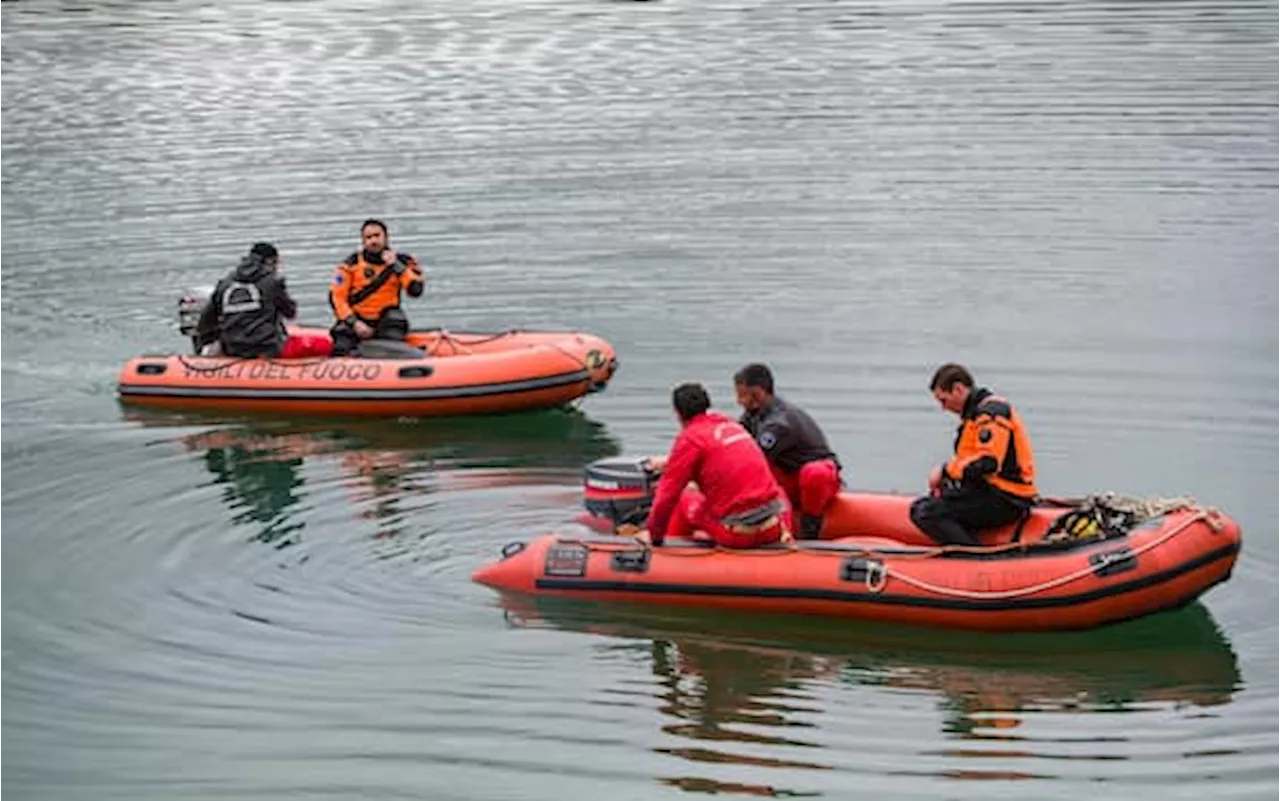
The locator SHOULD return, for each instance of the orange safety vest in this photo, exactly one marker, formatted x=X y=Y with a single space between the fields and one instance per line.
x=355 y=274
x=990 y=430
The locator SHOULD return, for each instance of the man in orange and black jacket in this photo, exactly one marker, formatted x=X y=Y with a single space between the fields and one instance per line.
x=366 y=290
x=990 y=481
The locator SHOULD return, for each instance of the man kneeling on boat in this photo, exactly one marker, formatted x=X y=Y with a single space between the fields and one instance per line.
x=737 y=501
x=802 y=461
x=366 y=292
x=990 y=481
x=246 y=313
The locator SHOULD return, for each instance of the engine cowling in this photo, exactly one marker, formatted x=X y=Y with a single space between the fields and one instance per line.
x=619 y=490
x=190 y=307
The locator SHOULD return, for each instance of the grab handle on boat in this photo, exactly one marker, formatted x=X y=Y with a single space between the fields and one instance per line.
x=1109 y=563
x=632 y=561
x=871 y=572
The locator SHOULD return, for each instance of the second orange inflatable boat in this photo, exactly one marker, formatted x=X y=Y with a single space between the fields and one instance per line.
x=874 y=564
x=456 y=373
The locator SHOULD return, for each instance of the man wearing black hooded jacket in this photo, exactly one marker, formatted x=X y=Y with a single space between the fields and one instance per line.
x=247 y=310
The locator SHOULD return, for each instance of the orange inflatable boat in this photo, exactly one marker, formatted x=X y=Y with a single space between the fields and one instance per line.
x=447 y=373
x=1066 y=566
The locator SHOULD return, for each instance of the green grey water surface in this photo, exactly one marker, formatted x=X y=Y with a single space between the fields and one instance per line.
x=1076 y=199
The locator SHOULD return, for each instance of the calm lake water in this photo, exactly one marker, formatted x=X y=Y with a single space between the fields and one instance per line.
x=1078 y=200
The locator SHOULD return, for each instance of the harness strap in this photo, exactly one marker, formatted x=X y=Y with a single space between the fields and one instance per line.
x=754 y=520
x=362 y=294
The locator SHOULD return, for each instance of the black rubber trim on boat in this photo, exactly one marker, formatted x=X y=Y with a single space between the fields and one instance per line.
x=423 y=393
x=592 y=585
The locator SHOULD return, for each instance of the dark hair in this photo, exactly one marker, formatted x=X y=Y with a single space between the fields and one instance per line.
x=754 y=375
x=948 y=375
x=690 y=400
x=265 y=251
x=372 y=221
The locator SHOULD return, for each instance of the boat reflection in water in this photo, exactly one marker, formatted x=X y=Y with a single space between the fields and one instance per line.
x=736 y=687
x=386 y=467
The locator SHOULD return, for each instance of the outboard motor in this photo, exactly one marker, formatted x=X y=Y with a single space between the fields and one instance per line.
x=190 y=307
x=619 y=490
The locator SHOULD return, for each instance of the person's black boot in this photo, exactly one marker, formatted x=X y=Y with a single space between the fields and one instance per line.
x=810 y=527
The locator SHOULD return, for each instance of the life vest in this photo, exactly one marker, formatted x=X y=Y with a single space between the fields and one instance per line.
x=993 y=443
x=367 y=290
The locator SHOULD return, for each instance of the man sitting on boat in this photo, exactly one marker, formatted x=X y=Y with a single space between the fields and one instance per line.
x=737 y=500
x=802 y=462
x=245 y=314
x=990 y=481
x=366 y=292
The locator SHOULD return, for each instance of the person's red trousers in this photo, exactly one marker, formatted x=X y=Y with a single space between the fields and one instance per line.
x=813 y=488
x=301 y=346
x=692 y=515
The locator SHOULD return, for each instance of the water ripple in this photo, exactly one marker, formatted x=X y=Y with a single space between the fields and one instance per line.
x=1078 y=200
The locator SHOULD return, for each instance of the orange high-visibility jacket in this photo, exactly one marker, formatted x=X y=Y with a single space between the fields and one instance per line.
x=992 y=445
x=349 y=295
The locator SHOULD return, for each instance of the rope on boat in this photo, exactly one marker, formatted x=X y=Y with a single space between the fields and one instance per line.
x=459 y=349
x=876 y=580
x=1112 y=501
x=464 y=349
x=879 y=573
x=195 y=368
x=238 y=359
x=580 y=362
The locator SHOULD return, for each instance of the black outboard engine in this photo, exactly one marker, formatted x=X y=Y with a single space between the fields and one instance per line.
x=190 y=307
x=619 y=490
